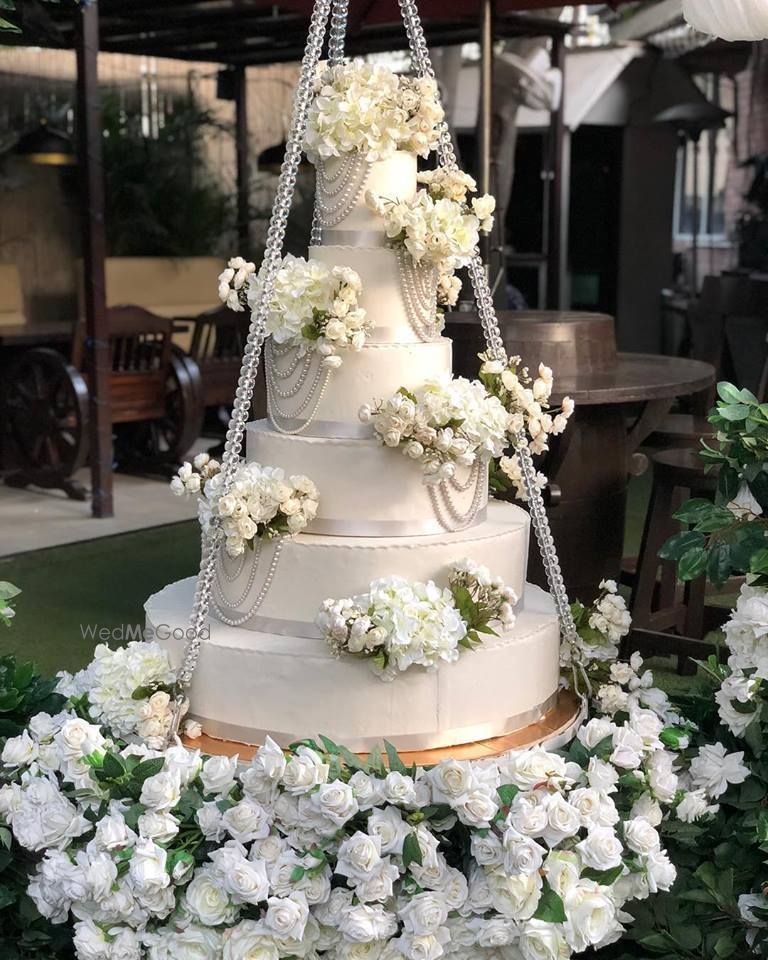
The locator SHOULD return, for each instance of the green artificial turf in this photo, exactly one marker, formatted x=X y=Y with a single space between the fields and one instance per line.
x=101 y=582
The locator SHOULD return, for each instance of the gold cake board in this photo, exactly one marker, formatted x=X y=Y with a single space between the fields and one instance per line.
x=554 y=729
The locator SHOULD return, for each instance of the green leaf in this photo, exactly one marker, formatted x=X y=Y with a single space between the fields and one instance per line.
x=759 y=562
x=507 y=793
x=8 y=590
x=113 y=767
x=719 y=564
x=330 y=746
x=692 y=511
x=7 y=896
x=681 y=542
x=725 y=946
x=412 y=851
x=297 y=874
x=733 y=411
x=395 y=763
x=147 y=768
x=24 y=675
x=605 y=878
x=692 y=563
x=551 y=908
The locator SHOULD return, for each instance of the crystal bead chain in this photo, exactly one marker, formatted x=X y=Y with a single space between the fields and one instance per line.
x=338 y=32
x=255 y=341
x=495 y=342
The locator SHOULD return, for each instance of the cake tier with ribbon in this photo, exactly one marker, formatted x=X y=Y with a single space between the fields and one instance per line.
x=301 y=390
x=366 y=489
x=250 y=684
x=279 y=586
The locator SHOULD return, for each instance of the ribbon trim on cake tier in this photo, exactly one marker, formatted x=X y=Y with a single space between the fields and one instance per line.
x=328 y=429
x=416 y=741
x=354 y=238
x=382 y=528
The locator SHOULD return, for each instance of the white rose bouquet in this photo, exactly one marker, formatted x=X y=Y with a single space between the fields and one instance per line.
x=313 y=307
x=532 y=421
x=443 y=424
x=369 y=110
x=128 y=690
x=434 y=229
x=261 y=503
x=398 y=624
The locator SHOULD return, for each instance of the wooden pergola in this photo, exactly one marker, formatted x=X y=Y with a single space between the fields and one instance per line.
x=238 y=34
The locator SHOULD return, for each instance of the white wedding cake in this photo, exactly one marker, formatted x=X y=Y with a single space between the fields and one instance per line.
x=265 y=668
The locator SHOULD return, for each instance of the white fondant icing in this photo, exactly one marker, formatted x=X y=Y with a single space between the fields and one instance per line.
x=313 y=568
x=381 y=296
x=375 y=372
x=394 y=178
x=361 y=483
x=292 y=687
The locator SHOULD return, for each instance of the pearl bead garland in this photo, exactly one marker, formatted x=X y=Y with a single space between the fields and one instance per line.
x=218 y=602
x=447 y=513
x=418 y=288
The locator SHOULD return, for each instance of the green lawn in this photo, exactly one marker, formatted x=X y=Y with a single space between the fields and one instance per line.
x=100 y=582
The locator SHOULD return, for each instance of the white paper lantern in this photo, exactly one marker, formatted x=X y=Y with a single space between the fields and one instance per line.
x=729 y=19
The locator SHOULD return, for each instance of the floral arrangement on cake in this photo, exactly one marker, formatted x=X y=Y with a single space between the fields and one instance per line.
x=443 y=424
x=261 y=503
x=398 y=624
x=367 y=109
x=313 y=307
x=532 y=420
x=440 y=226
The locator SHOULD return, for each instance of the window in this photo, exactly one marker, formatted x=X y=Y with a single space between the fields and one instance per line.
x=713 y=159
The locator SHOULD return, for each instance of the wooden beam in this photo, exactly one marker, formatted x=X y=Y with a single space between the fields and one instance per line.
x=97 y=354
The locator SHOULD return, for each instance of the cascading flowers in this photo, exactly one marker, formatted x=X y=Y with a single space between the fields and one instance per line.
x=398 y=624
x=262 y=503
x=443 y=424
x=369 y=110
x=532 y=422
x=313 y=307
x=440 y=226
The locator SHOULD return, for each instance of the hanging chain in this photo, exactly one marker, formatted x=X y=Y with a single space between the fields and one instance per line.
x=338 y=32
x=255 y=342
x=447 y=158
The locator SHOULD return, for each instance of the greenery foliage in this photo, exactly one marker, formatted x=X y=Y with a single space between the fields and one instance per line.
x=725 y=538
x=161 y=198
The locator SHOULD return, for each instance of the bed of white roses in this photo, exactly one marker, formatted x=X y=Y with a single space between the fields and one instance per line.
x=170 y=855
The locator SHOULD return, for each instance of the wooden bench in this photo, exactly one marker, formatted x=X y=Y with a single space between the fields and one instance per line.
x=11 y=298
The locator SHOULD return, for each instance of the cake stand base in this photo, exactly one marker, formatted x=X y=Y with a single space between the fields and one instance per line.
x=553 y=730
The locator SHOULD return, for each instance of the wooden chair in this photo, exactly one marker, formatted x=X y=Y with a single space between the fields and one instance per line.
x=155 y=397
x=11 y=299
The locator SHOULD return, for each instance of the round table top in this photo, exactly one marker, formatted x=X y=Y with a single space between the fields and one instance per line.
x=636 y=377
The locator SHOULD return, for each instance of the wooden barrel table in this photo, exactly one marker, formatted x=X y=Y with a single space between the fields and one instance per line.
x=589 y=463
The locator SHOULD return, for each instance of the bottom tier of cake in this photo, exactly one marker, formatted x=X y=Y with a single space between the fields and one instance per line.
x=250 y=684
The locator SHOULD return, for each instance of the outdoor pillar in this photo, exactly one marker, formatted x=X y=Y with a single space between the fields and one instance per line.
x=243 y=169
x=557 y=212
x=485 y=124
x=97 y=355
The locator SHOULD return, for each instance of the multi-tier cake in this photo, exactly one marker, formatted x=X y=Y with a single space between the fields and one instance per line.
x=265 y=666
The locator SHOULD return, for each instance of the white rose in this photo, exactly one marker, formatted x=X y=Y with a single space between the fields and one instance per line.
x=78 y=738
x=521 y=853
x=641 y=836
x=388 y=825
x=478 y=807
x=515 y=897
x=645 y=806
x=527 y=768
x=367 y=790
x=660 y=871
x=304 y=771
x=207 y=900
x=19 y=751
x=602 y=776
x=336 y=801
x=378 y=885
x=249 y=941
x=112 y=833
x=542 y=941
x=694 y=806
x=487 y=850
x=399 y=788
x=363 y=923
x=627 y=748
x=147 y=866
x=186 y=763
x=596 y=809
x=451 y=780
x=591 y=915
x=563 y=820
x=247 y=821
x=425 y=947
x=594 y=732
x=287 y=917
x=358 y=856
x=424 y=913
x=211 y=821
x=601 y=849
x=90 y=942
x=246 y=880
x=191 y=943
x=562 y=870
x=158 y=826
x=714 y=770
x=218 y=774
x=161 y=792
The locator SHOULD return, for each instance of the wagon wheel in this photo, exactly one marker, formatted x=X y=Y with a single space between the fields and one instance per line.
x=160 y=444
x=45 y=411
